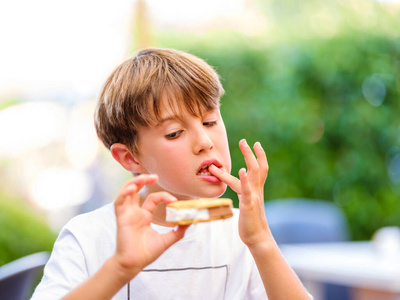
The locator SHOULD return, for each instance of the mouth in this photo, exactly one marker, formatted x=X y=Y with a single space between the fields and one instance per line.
x=204 y=171
x=205 y=174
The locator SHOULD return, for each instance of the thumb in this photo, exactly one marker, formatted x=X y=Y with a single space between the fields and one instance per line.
x=173 y=236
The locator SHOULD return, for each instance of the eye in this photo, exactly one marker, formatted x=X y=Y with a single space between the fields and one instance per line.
x=174 y=135
x=210 y=124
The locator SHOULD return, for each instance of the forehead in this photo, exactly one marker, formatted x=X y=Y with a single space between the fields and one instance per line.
x=176 y=107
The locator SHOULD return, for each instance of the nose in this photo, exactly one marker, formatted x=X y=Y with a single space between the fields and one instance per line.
x=202 y=141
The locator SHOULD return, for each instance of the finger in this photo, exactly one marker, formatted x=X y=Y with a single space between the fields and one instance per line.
x=251 y=162
x=249 y=157
x=154 y=199
x=125 y=194
x=130 y=189
x=144 y=179
x=173 y=236
x=245 y=187
x=262 y=161
x=225 y=177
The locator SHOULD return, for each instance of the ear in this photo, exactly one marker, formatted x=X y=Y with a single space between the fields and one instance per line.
x=125 y=157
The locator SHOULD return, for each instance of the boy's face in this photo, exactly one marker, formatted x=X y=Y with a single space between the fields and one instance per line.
x=179 y=149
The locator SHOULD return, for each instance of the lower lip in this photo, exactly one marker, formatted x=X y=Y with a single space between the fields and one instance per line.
x=211 y=179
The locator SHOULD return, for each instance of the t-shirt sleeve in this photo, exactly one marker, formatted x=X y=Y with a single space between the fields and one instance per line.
x=64 y=271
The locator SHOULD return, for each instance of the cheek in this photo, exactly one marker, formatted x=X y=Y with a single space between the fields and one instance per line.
x=223 y=144
x=162 y=159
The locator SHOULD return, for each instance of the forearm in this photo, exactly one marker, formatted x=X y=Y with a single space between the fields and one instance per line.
x=279 y=279
x=104 y=284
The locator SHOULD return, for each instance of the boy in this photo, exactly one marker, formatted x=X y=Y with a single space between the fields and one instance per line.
x=159 y=116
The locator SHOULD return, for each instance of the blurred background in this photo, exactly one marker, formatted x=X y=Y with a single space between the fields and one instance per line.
x=316 y=82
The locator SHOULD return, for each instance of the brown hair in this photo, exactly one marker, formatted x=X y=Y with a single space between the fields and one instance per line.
x=131 y=96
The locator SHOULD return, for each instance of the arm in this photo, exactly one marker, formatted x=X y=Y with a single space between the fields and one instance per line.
x=137 y=243
x=280 y=281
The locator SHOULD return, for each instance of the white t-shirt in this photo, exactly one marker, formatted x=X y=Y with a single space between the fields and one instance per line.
x=210 y=262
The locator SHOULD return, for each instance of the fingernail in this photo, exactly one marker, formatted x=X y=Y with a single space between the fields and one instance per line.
x=244 y=142
x=131 y=188
x=172 y=198
x=257 y=144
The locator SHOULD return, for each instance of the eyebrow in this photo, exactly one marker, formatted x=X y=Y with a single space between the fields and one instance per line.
x=174 y=117
x=167 y=118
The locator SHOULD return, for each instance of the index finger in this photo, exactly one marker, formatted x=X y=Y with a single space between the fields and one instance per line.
x=225 y=177
x=133 y=186
x=144 y=179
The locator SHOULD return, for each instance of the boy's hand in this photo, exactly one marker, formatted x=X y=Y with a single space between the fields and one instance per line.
x=253 y=227
x=137 y=243
x=279 y=280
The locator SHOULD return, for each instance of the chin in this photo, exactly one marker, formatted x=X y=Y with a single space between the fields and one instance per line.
x=213 y=192
x=209 y=191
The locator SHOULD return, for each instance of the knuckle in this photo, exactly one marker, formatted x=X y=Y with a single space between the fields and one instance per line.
x=151 y=197
x=158 y=196
x=264 y=167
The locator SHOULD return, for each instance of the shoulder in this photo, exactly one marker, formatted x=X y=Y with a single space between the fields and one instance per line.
x=94 y=221
x=82 y=246
x=91 y=234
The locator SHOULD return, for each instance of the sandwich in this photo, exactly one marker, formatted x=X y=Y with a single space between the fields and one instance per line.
x=185 y=212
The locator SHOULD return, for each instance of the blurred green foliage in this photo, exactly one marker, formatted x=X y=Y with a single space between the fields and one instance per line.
x=326 y=110
x=22 y=232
